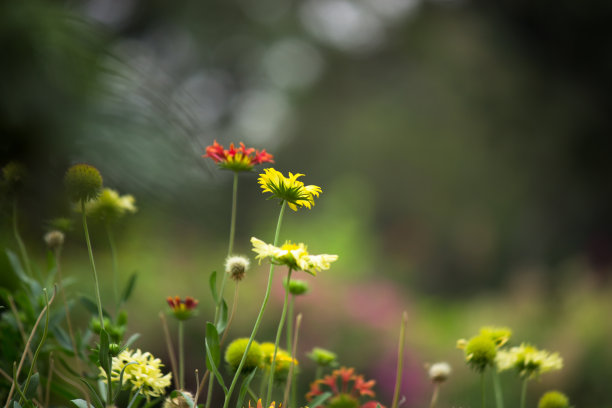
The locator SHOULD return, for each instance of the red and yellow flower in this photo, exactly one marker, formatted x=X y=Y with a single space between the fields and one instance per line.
x=182 y=309
x=347 y=388
x=237 y=158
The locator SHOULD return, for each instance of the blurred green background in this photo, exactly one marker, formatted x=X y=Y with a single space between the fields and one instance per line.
x=463 y=148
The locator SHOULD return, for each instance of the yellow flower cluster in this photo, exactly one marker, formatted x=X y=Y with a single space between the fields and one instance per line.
x=289 y=189
x=528 y=360
x=110 y=205
x=294 y=256
x=141 y=371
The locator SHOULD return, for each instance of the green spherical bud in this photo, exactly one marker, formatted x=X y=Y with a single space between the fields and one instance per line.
x=95 y=325
x=83 y=182
x=323 y=357
x=480 y=352
x=235 y=351
x=297 y=287
x=343 y=401
x=114 y=349
x=553 y=399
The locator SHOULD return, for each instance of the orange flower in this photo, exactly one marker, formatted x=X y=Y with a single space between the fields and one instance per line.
x=339 y=383
x=237 y=159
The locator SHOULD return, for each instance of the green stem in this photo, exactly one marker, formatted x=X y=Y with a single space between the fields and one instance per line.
x=318 y=373
x=279 y=331
x=482 y=389
x=499 y=399
x=22 y=248
x=252 y=394
x=290 y=322
x=261 y=312
x=113 y=248
x=93 y=266
x=524 y=393
x=181 y=346
x=230 y=250
x=400 y=360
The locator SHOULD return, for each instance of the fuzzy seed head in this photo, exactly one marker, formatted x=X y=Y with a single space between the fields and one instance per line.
x=235 y=351
x=83 y=182
x=439 y=372
x=553 y=399
x=54 y=239
x=237 y=266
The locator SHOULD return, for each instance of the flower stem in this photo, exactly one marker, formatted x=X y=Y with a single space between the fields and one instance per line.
x=293 y=350
x=261 y=312
x=434 y=395
x=290 y=322
x=113 y=248
x=22 y=248
x=279 y=331
x=499 y=399
x=400 y=360
x=181 y=338
x=524 y=393
x=482 y=389
x=93 y=266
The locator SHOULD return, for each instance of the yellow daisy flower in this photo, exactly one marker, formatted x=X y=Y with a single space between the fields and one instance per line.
x=289 y=189
x=294 y=256
x=139 y=370
x=528 y=361
x=110 y=205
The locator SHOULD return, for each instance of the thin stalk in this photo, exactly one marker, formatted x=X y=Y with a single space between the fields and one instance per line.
x=261 y=311
x=524 y=393
x=293 y=349
x=19 y=325
x=290 y=322
x=22 y=248
x=252 y=394
x=318 y=373
x=262 y=384
x=93 y=266
x=170 y=347
x=49 y=379
x=400 y=360
x=482 y=389
x=279 y=331
x=113 y=248
x=209 y=392
x=67 y=309
x=181 y=339
x=499 y=399
x=434 y=395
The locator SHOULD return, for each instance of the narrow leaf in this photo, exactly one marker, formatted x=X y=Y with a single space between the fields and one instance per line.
x=320 y=399
x=213 y=286
x=213 y=353
x=97 y=401
x=80 y=403
x=31 y=390
x=244 y=388
x=222 y=323
x=129 y=288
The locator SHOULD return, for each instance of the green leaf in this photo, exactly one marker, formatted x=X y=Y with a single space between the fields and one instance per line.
x=245 y=387
x=137 y=396
x=80 y=403
x=320 y=399
x=97 y=401
x=16 y=404
x=187 y=398
x=92 y=306
x=130 y=341
x=222 y=323
x=213 y=286
x=121 y=380
x=129 y=288
x=105 y=358
x=30 y=283
x=62 y=339
x=31 y=390
x=213 y=353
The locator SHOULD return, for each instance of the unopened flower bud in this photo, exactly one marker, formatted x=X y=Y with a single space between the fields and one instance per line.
x=114 y=349
x=323 y=357
x=297 y=287
x=236 y=266
x=553 y=399
x=235 y=351
x=83 y=182
x=54 y=239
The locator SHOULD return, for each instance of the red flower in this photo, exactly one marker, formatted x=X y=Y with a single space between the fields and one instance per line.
x=350 y=391
x=237 y=159
x=182 y=308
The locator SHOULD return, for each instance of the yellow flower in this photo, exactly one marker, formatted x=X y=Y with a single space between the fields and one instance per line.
x=110 y=205
x=294 y=256
x=528 y=361
x=260 y=405
x=289 y=189
x=140 y=371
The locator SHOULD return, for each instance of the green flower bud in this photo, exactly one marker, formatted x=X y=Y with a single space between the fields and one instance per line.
x=61 y=224
x=95 y=325
x=83 y=182
x=343 y=401
x=323 y=357
x=480 y=352
x=235 y=351
x=114 y=349
x=297 y=287
x=553 y=399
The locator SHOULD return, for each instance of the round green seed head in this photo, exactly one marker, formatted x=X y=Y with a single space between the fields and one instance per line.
x=343 y=401
x=297 y=287
x=553 y=399
x=235 y=350
x=480 y=352
x=83 y=182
